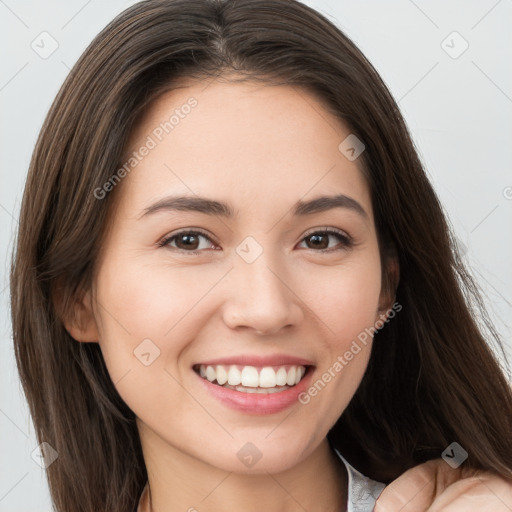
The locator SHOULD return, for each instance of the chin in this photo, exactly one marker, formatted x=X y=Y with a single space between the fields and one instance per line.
x=261 y=457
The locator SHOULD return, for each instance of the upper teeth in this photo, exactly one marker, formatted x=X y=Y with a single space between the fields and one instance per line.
x=250 y=376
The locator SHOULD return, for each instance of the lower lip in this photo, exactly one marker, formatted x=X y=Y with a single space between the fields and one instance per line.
x=258 y=403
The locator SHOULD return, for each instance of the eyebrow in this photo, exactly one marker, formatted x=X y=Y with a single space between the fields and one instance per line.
x=213 y=207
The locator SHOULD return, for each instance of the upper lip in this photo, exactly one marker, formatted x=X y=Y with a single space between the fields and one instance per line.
x=254 y=360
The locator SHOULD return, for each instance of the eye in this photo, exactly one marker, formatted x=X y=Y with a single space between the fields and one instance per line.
x=187 y=241
x=320 y=240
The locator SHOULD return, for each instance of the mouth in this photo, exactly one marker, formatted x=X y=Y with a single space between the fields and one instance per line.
x=253 y=379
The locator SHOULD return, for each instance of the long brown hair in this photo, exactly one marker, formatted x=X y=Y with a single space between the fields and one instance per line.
x=432 y=377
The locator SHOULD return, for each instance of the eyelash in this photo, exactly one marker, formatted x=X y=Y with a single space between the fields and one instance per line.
x=346 y=241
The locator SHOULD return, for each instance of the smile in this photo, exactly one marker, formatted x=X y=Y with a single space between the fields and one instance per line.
x=252 y=379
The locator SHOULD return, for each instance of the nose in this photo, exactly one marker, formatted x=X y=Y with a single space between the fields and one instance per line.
x=261 y=298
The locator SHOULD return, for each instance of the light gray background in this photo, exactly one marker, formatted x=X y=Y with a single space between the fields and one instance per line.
x=458 y=110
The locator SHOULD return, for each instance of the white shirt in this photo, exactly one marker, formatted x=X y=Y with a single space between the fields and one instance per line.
x=362 y=491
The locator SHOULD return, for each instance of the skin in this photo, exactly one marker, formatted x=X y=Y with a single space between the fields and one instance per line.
x=436 y=487
x=261 y=149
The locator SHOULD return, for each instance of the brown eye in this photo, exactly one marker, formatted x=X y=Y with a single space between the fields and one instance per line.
x=320 y=240
x=187 y=241
x=190 y=241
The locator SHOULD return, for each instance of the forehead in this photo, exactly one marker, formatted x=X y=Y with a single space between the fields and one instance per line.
x=242 y=141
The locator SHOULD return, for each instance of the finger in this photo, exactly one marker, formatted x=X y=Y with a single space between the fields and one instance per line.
x=482 y=493
x=411 y=492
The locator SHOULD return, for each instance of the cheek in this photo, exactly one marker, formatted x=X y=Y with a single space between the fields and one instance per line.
x=159 y=302
x=149 y=301
x=346 y=297
x=346 y=301
x=169 y=305
x=143 y=316
x=149 y=314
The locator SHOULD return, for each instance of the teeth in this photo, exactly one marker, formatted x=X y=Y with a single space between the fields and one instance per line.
x=222 y=375
x=211 y=374
x=249 y=377
x=267 y=377
x=234 y=376
x=281 y=377
x=246 y=377
x=261 y=391
x=291 y=376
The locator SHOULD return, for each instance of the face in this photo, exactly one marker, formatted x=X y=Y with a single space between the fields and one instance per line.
x=268 y=288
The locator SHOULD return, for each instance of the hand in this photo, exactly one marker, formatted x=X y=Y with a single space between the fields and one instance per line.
x=434 y=486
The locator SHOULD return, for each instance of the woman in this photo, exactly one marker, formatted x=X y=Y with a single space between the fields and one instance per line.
x=261 y=368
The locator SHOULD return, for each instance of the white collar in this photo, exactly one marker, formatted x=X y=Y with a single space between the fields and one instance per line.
x=362 y=491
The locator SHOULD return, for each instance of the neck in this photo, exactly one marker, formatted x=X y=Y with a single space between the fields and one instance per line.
x=179 y=482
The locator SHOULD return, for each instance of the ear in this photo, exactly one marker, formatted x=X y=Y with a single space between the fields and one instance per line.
x=390 y=279
x=77 y=315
